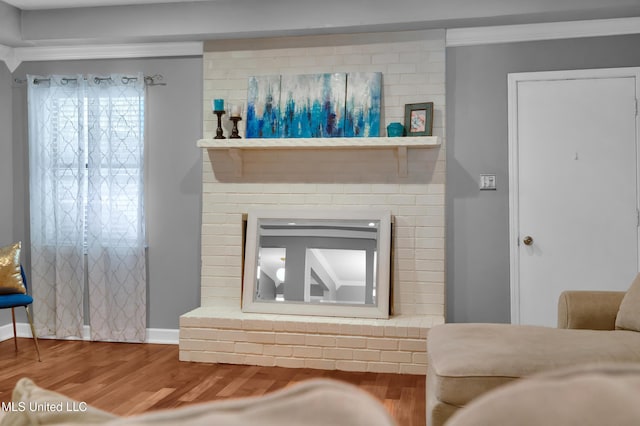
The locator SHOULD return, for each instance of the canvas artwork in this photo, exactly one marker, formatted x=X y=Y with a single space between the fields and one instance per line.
x=314 y=105
x=363 y=104
x=263 y=107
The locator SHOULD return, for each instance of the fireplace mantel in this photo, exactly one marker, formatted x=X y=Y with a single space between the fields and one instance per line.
x=235 y=147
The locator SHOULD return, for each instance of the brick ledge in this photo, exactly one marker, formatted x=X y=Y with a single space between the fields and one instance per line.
x=227 y=335
x=412 y=326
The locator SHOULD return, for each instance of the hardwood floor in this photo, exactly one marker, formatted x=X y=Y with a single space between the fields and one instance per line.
x=128 y=379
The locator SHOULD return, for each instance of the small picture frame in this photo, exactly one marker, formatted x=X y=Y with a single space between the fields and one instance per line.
x=418 y=119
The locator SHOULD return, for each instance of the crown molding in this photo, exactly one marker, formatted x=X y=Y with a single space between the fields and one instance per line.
x=13 y=56
x=8 y=57
x=472 y=36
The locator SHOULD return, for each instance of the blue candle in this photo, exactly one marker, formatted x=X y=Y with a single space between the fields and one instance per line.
x=218 y=104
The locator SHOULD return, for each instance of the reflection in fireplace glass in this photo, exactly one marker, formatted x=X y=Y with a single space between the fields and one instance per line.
x=317 y=262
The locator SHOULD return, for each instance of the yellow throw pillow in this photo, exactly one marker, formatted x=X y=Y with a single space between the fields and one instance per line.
x=10 y=276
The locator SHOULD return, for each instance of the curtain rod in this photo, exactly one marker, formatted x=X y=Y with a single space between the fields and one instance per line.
x=149 y=80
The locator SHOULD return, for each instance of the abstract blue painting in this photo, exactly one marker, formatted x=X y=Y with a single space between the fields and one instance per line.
x=263 y=107
x=313 y=105
x=363 y=104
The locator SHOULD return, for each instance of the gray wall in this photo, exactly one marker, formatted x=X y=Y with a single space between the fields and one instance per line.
x=477 y=142
x=6 y=168
x=10 y=21
x=477 y=222
x=6 y=158
x=173 y=175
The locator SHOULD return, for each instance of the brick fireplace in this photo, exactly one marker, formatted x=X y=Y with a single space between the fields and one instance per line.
x=412 y=64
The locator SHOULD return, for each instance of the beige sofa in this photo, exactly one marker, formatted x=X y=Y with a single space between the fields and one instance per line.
x=468 y=360
x=602 y=394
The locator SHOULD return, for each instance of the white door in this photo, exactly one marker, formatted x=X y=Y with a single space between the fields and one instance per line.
x=573 y=186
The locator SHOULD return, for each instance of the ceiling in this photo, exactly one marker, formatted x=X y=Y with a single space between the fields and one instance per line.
x=61 y=4
x=461 y=11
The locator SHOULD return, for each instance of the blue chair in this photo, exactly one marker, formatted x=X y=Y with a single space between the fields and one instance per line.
x=17 y=299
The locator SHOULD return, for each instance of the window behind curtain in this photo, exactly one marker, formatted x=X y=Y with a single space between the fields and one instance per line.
x=67 y=122
x=118 y=125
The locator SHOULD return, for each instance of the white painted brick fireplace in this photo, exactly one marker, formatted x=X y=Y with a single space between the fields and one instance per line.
x=413 y=68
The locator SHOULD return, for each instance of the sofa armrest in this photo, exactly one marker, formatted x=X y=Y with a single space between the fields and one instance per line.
x=590 y=310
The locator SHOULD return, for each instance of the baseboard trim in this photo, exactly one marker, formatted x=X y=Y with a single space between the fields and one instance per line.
x=162 y=336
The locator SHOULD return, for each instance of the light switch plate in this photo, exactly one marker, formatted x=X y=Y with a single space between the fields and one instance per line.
x=487 y=182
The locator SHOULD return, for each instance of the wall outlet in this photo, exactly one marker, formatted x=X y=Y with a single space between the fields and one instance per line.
x=487 y=182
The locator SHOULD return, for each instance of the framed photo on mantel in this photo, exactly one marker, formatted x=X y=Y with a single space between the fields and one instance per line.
x=418 y=119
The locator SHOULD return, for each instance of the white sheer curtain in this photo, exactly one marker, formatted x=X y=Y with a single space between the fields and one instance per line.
x=100 y=171
x=57 y=180
x=115 y=225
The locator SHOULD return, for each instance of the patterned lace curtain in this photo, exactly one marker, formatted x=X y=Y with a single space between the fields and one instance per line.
x=57 y=179
x=115 y=225
x=107 y=200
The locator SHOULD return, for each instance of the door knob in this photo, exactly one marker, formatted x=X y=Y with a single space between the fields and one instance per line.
x=528 y=240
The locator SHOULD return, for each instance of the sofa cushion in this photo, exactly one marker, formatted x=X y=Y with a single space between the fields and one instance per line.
x=628 y=317
x=34 y=405
x=316 y=402
x=471 y=359
x=589 y=310
x=585 y=395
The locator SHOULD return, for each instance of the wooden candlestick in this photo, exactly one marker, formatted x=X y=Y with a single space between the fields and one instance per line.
x=234 y=131
x=219 y=134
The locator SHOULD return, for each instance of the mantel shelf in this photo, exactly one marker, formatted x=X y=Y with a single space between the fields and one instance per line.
x=400 y=144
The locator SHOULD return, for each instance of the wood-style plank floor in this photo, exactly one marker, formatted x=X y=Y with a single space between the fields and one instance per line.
x=128 y=379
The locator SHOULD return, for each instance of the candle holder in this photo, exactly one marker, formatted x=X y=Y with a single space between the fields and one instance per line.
x=219 y=134
x=234 y=131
